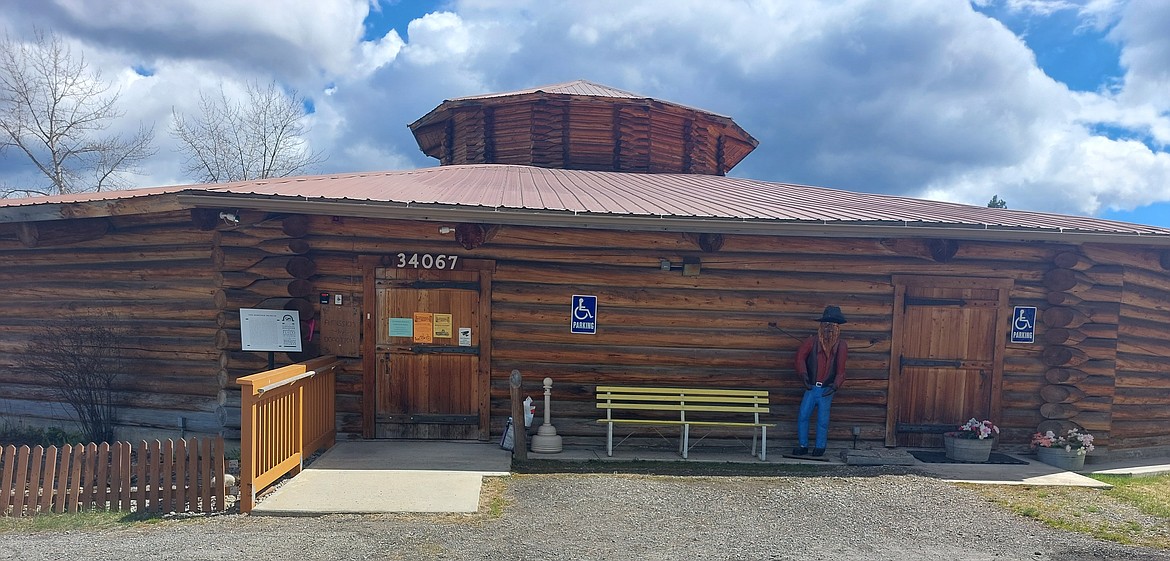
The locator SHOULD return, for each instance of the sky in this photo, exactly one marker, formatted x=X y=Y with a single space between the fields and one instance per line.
x=1051 y=105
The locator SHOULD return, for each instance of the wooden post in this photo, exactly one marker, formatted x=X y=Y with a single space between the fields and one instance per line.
x=519 y=444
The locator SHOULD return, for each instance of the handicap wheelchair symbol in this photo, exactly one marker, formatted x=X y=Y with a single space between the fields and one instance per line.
x=582 y=312
x=1022 y=321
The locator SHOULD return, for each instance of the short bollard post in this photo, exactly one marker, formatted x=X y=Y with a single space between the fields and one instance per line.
x=546 y=440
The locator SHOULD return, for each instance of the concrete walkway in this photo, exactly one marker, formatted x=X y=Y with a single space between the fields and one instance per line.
x=383 y=476
x=379 y=476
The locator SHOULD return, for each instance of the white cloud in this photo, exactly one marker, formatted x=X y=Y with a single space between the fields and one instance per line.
x=914 y=97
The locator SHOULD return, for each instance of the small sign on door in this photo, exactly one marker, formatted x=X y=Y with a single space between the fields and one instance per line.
x=464 y=336
x=1024 y=324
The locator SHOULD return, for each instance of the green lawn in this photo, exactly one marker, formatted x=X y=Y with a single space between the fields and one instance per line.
x=1136 y=511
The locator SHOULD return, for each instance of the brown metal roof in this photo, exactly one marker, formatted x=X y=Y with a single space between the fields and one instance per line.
x=576 y=87
x=511 y=194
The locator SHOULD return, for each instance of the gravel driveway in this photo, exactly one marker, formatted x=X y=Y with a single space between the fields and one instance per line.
x=862 y=514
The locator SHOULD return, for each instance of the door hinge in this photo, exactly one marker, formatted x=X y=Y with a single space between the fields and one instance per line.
x=443 y=349
x=929 y=362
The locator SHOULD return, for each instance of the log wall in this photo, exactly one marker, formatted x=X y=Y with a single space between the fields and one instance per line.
x=1141 y=398
x=151 y=273
x=1100 y=360
x=712 y=329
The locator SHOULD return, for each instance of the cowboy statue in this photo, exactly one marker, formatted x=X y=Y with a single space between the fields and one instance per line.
x=820 y=363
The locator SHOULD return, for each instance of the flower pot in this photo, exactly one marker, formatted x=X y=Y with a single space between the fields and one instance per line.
x=968 y=449
x=1061 y=458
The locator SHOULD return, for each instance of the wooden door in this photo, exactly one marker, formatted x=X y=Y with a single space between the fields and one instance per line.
x=947 y=355
x=428 y=378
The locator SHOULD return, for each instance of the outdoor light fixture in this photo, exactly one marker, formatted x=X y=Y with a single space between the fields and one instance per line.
x=446 y=229
x=230 y=217
x=664 y=264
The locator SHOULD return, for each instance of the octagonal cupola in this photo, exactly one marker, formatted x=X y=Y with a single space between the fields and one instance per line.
x=582 y=125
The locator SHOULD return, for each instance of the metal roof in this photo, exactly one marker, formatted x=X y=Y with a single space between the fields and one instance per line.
x=513 y=194
x=575 y=87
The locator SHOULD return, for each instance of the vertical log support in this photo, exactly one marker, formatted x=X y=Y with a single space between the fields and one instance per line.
x=519 y=441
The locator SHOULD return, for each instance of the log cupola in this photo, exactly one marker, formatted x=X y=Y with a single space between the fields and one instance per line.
x=585 y=126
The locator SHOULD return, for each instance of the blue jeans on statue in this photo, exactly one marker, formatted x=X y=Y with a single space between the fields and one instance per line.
x=814 y=398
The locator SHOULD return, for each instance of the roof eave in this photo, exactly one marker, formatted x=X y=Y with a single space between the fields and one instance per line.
x=566 y=219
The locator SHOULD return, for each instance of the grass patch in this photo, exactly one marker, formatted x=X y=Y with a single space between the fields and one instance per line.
x=73 y=522
x=1136 y=511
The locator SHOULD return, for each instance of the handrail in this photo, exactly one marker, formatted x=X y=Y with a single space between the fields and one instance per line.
x=286 y=414
x=287 y=381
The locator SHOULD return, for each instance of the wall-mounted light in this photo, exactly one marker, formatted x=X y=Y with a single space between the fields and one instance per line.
x=446 y=230
x=230 y=217
x=664 y=264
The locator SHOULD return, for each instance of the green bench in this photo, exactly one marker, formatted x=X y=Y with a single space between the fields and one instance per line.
x=709 y=407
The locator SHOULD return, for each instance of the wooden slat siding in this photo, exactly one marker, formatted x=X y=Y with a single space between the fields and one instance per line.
x=125 y=473
x=49 y=481
x=61 y=484
x=36 y=472
x=166 y=481
x=23 y=467
x=102 y=487
x=199 y=462
x=7 y=483
x=73 y=490
x=84 y=465
x=140 y=476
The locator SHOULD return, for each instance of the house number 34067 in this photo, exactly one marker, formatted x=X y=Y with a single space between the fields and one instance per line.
x=425 y=261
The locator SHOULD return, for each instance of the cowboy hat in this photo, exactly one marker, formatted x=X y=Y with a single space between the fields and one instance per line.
x=832 y=314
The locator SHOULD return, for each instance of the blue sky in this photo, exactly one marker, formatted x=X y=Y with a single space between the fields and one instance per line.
x=1052 y=105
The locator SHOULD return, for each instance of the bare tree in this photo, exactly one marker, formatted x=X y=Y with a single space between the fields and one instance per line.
x=55 y=111
x=81 y=358
x=262 y=137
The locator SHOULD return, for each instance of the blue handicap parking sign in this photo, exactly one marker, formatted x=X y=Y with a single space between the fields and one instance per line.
x=583 y=314
x=1024 y=324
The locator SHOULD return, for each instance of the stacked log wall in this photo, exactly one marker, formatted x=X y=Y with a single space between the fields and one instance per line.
x=660 y=327
x=1079 y=336
x=1141 y=401
x=147 y=276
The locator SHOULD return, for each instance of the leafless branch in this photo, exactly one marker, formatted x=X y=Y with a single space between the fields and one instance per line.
x=260 y=138
x=54 y=111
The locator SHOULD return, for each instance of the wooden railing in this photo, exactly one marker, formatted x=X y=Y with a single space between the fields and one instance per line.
x=287 y=414
x=169 y=476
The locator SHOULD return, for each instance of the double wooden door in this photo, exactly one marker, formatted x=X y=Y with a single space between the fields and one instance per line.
x=429 y=381
x=946 y=355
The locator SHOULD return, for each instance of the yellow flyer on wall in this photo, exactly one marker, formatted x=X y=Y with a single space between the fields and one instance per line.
x=442 y=326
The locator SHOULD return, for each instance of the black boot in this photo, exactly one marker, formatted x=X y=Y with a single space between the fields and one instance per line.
x=818 y=452
x=800 y=451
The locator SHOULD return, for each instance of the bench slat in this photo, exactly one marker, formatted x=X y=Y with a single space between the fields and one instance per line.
x=682 y=407
x=686 y=391
x=677 y=422
x=678 y=398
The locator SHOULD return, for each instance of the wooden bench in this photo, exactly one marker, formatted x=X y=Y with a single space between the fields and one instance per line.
x=708 y=408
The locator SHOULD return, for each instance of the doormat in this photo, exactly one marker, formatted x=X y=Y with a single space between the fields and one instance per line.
x=940 y=457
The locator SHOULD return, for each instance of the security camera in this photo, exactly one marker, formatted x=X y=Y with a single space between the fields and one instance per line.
x=229 y=217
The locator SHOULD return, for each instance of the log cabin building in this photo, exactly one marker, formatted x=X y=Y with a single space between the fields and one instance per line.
x=581 y=189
